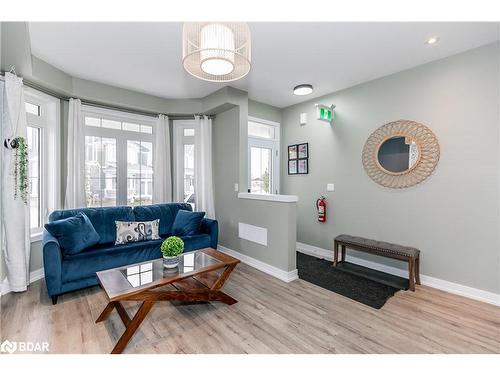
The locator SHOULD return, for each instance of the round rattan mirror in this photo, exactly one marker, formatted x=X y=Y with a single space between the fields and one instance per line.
x=400 y=154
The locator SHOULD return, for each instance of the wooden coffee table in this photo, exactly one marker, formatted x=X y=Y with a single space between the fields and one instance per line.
x=198 y=278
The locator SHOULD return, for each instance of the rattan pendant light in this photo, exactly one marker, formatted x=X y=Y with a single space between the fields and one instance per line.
x=216 y=51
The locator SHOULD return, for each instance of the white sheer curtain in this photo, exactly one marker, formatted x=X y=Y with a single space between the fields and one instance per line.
x=162 y=179
x=204 y=190
x=75 y=179
x=15 y=212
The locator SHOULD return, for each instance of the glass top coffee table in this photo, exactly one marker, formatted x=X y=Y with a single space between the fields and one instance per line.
x=199 y=277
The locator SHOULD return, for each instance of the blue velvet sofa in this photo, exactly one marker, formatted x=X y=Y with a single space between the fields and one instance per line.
x=65 y=273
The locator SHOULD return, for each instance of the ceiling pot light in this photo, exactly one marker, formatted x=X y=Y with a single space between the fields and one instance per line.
x=216 y=51
x=432 y=40
x=303 y=90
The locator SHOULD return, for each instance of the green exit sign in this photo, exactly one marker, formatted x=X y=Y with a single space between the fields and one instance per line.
x=325 y=113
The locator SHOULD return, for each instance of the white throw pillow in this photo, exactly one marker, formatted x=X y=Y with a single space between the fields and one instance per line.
x=133 y=231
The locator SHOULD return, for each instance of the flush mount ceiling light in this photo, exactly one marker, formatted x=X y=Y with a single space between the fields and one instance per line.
x=432 y=40
x=303 y=90
x=216 y=51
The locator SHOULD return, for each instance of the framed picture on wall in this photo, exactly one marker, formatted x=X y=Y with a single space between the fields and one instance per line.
x=303 y=166
x=303 y=150
x=298 y=158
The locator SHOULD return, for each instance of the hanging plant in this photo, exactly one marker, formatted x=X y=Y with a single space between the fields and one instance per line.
x=21 y=170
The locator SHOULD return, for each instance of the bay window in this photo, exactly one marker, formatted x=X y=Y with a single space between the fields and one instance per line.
x=263 y=156
x=118 y=158
x=184 y=156
x=42 y=140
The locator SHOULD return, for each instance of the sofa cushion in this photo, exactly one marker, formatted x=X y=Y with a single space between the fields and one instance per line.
x=199 y=241
x=187 y=223
x=134 y=231
x=166 y=212
x=102 y=218
x=103 y=257
x=74 y=234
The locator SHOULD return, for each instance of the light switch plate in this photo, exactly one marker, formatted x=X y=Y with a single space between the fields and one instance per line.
x=330 y=187
x=303 y=119
x=236 y=188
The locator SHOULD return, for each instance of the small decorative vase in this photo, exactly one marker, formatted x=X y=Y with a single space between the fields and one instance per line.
x=170 y=262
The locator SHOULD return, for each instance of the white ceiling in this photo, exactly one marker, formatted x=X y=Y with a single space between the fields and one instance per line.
x=146 y=57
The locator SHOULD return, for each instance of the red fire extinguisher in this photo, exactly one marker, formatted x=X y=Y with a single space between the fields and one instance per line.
x=321 y=207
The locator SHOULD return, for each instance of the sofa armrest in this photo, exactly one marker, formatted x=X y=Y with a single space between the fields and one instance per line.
x=211 y=227
x=52 y=263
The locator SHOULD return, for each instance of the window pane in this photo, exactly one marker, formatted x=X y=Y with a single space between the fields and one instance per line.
x=108 y=157
x=131 y=127
x=256 y=129
x=33 y=142
x=260 y=169
x=111 y=124
x=92 y=121
x=139 y=173
x=32 y=109
x=146 y=129
x=108 y=186
x=100 y=171
x=189 y=196
x=188 y=132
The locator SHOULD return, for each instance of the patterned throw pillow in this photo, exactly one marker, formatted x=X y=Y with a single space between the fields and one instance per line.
x=133 y=231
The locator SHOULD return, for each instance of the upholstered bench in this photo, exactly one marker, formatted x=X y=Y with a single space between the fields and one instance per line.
x=385 y=249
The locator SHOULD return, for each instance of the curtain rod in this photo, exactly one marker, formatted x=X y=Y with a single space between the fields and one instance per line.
x=92 y=103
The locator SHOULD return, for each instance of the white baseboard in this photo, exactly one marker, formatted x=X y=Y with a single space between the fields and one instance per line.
x=447 y=286
x=34 y=276
x=261 y=266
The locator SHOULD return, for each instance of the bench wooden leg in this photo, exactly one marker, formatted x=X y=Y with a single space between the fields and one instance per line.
x=417 y=270
x=335 y=253
x=342 y=258
x=411 y=273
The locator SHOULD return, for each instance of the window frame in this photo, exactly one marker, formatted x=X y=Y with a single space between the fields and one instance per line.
x=48 y=123
x=179 y=140
x=273 y=144
x=121 y=136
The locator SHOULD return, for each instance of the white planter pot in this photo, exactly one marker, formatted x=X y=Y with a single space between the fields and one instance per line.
x=170 y=262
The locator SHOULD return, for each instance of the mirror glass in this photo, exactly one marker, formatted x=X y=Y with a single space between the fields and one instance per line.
x=398 y=154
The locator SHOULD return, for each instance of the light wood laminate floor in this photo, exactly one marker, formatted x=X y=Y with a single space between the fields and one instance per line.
x=271 y=317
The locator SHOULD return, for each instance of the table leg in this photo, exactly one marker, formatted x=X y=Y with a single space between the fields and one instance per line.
x=105 y=313
x=342 y=258
x=132 y=326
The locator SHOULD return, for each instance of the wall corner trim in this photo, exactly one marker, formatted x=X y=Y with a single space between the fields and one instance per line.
x=34 y=276
x=433 y=282
x=261 y=266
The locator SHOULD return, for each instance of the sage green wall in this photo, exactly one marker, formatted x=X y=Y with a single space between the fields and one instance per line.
x=264 y=111
x=278 y=218
x=453 y=217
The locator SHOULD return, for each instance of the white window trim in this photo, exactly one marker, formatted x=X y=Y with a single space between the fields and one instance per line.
x=121 y=136
x=179 y=140
x=50 y=153
x=273 y=144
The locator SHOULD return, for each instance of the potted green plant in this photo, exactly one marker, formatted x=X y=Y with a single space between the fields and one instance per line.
x=171 y=248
